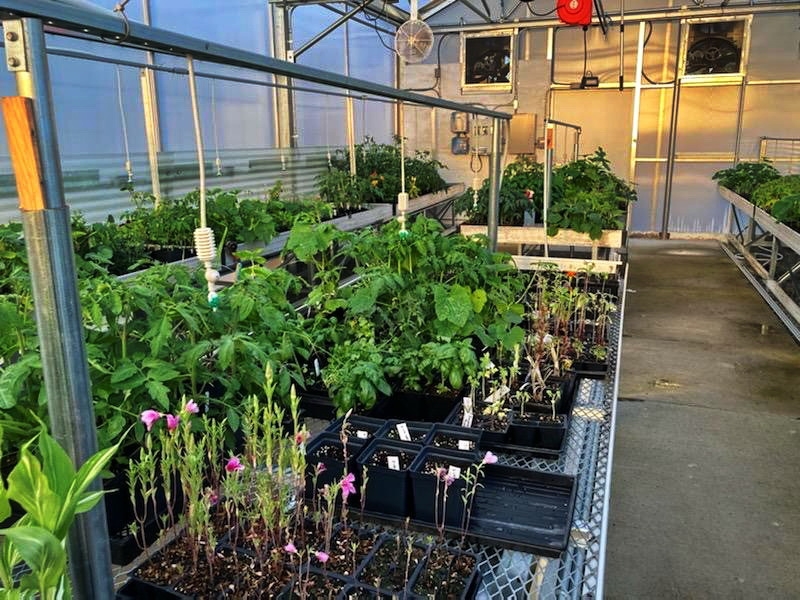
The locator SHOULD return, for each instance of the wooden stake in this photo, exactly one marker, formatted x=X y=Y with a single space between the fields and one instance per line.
x=24 y=150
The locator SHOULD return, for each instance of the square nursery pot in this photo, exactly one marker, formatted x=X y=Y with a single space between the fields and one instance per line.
x=492 y=432
x=416 y=406
x=390 y=567
x=360 y=429
x=316 y=404
x=388 y=490
x=447 y=573
x=538 y=430
x=591 y=369
x=418 y=431
x=455 y=438
x=326 y=448
x=430 y=506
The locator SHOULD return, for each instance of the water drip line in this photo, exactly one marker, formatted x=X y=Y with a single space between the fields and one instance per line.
x=203 y=235
x=217 y=160
x=402 y=197
x=124 y=121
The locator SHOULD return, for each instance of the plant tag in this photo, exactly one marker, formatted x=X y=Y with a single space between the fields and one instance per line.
x=362 y=434
x=454 y=472
x=467 y=401
x=316 y=366
x=402 y=431
x=464 y=445
x=393 y=462
x=467 y=420
x=498 y=394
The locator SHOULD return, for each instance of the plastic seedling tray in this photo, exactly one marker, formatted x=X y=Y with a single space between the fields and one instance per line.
x=388 y=489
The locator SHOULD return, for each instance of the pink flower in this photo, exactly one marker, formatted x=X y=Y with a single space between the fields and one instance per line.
x=441 y=473
x=233 y=465
x=321 y=556
x=448 y=480
x=213 y=498
x=529 y=194
x=149 y=417
x=321 y=468
x=172 y=422
x=191 y=407
x=489 y=458
x=290 y=548
x=347 y=486
x=301 y=437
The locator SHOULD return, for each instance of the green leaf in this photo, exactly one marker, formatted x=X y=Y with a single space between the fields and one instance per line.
x=88 y=501
x=479 y=299
x=41 y=551
x=454 y=306
x=28 y=487
x=158 y=392
x=56 y=464
x=124 y=372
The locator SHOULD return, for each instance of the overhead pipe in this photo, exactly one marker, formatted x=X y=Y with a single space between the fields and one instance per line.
x=673 y=134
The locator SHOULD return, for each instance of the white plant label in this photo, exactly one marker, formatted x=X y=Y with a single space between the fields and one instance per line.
x=467 y=420
x=393 y=462
x=316 y=366
x=467 y=404
x=464 y=445
x=454 y=471
x=362 y=434
x=497 y=394
x=402 y=431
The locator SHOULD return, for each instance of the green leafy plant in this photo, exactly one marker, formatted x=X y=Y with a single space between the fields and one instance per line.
x=787 y=210
x=745 y=177
x=52 y=493
x=768 y=194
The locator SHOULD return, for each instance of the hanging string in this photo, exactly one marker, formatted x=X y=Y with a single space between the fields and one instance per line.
x=217 y=160
x=123 y=119
x=402 y=197
x=327 y=129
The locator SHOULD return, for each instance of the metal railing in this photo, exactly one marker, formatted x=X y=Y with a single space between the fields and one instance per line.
x=783 y=153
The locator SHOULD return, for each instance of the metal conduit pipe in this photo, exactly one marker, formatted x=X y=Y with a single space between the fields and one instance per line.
x=673 y=134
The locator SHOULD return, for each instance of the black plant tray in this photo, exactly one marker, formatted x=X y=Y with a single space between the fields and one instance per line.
x=527 y=451
x=138 y=589
x=516 y=508
x=590 y=369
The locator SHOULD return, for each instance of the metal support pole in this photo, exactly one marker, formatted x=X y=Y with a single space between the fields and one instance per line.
x=739 y=121
x=773 y=257
x=283 y=97
x=637 y=103
x=673 y=134
x=151 y=133
x=494 y=185
x=576 y=150
x=46 y=222
x=152 y=88
x=348 y=105
x=549 y=142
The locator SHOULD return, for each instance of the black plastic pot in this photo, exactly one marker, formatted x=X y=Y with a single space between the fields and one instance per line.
x=335 y=467
x=359 y=591
x=488 y=436
x=388 y=491
x=416 y=406
x=316 y=404
x=292 y=589
x=361 y=429
x=531 y=431
x=418 y=431
x=590 y=369
x=460 y=435
x=446 y=506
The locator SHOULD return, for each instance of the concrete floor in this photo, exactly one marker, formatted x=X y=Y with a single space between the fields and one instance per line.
x=705 y=497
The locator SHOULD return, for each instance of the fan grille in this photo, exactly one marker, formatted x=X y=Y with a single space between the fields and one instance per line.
x=414 y=41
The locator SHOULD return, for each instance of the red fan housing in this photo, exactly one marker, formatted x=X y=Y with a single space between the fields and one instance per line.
x=575 y=12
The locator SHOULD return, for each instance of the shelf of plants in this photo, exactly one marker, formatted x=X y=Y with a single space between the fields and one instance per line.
x=764 y=234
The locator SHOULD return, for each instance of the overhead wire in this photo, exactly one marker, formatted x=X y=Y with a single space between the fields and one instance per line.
x=124 y=120
x=644 y=45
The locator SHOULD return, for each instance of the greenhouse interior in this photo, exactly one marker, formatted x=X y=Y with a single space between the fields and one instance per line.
x=440 y=299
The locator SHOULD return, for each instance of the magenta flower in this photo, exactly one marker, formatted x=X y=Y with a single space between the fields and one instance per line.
x=441 y=473
x=489 y=458
x=321 y=468
x=149 y=417
x=172 y=422
x=191 y=407
x=290 y=548
x=233 y=465
x=321 y=556
x=448 y=480
x=301 y=437
x=347 y=486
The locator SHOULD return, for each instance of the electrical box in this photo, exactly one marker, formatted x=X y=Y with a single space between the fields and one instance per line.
x=459 y=122
x=459 y=144
x=522 y=134
x=481 y=136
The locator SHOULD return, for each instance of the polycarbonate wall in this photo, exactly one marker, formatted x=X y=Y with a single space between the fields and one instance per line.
x=238 y=118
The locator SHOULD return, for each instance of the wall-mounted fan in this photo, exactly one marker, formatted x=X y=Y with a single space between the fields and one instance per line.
x=414 y=39
x=712 y=55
